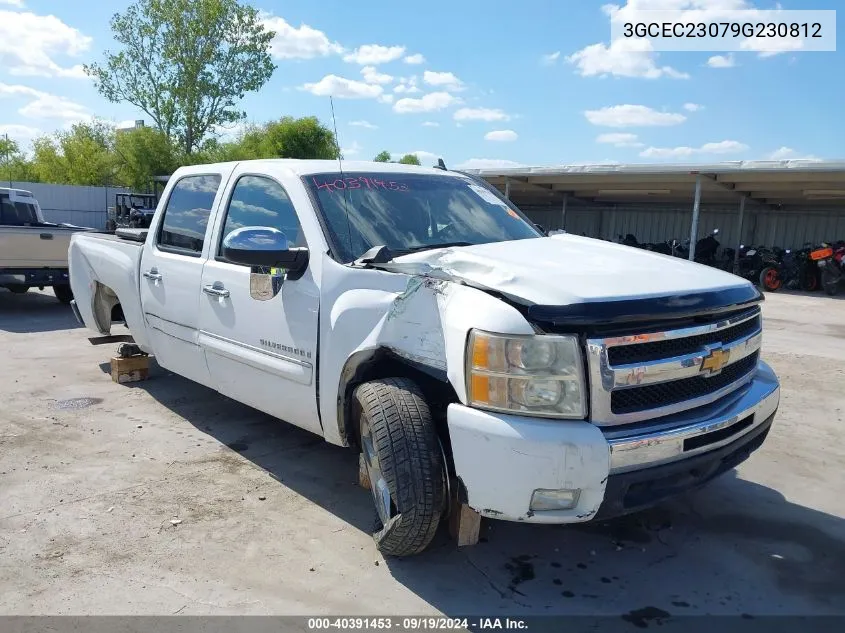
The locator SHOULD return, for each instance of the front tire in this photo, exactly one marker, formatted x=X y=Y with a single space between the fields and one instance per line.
x=404 y=464
x=830 y=283
x=63 y=293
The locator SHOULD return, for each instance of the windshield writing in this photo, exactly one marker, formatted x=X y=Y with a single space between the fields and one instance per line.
x=409 y=211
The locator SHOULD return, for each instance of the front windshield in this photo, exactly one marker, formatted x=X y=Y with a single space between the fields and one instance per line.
x=411 y=211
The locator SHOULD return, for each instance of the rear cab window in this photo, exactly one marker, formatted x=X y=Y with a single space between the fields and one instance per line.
x=185 y=223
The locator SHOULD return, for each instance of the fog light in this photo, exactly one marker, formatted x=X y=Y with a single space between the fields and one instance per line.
x=554 y=499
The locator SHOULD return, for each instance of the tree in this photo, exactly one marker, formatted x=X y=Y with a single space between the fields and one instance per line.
x=186 y=63
x=15 y=164
x=382 y=157
x=81 y=156
x=291 y=138
x=142 y=153
x=409 y=159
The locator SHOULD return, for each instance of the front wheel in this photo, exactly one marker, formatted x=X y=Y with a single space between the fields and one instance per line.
x=830 y=282
x=808 y=279
x=63 y=293
x=770 y=279
x=403 y=462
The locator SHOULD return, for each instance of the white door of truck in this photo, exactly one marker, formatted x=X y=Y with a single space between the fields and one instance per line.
x=171 y=271
x=260 y=352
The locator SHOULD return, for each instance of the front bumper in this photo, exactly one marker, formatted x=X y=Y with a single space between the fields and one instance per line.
x=501 y=459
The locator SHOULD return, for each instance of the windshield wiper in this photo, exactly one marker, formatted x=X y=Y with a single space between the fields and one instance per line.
x=428 y=247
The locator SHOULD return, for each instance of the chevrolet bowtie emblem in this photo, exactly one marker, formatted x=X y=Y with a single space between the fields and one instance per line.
x=715 y=361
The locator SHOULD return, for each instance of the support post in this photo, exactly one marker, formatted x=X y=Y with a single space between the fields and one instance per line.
x=693 y=234
x=739 y=231
x=563 y=211
x=507 y=188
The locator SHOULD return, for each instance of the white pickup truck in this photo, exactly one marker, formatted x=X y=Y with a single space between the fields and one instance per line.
x=417 y=316
x=33 y=252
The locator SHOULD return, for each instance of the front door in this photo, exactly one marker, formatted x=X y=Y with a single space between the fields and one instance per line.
x=262 y=353
x=171 y=271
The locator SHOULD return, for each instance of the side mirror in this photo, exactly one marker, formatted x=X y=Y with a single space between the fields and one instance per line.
x=263 y=249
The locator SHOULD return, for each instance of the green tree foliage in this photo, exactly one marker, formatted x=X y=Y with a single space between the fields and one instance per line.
x=186 y=63
x=15 y=166
x=82 y=155
x=382 y=157
x=142 y=153
x=287 y=137
x=409 y=159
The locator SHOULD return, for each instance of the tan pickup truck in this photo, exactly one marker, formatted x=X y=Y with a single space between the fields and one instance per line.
x=33 y=253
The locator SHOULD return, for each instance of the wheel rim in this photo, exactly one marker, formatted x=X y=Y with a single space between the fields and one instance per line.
x=378 y=484
x=772 y=280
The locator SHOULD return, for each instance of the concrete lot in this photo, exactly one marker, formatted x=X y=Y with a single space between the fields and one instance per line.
x=272 y=521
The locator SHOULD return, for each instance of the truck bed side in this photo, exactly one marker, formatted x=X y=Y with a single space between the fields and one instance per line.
x=105 y=272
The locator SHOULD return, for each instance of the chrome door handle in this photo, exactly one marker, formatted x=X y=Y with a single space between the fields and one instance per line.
x=215 y=291
x=152 y=275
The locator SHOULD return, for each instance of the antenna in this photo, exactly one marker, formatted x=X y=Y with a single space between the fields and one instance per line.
x=340 y=168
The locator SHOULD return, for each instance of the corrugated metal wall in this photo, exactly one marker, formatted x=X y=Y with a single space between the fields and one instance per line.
x=83 y=206
x=789 y=229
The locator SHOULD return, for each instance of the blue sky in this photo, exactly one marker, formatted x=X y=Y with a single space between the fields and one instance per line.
x=493 y=83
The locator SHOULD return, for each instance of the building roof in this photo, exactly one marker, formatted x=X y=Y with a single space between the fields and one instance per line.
x=777 y=184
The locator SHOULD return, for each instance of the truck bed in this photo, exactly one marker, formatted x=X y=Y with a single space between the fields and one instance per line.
x=38 y=246
x=105 y=269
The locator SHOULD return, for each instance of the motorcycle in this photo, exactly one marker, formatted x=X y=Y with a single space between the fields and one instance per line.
x=798 y=270
x=829 y=260
x=756 y=264
x=706 y=250
x=772 y=272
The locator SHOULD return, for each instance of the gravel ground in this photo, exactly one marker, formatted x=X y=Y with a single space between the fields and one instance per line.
x=163 y=497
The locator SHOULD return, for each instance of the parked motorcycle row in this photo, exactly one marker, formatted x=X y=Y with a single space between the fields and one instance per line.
x=809 y=268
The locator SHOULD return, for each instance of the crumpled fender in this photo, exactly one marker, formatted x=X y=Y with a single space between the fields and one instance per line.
x=422 y=319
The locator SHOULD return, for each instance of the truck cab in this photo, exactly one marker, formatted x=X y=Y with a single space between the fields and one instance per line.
x=416 y=316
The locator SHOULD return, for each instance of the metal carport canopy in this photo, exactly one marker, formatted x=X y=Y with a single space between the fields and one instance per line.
x=784 y=184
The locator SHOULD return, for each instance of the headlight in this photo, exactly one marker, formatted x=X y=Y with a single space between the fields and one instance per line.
x=534 y=375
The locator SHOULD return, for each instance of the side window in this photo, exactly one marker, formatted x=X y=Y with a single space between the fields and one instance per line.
x=187 y=212
x=260 y=201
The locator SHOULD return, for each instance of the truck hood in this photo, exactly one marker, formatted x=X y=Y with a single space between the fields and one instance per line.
x=567 y=269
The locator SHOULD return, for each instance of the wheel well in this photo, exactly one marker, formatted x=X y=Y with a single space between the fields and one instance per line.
x=383 y=363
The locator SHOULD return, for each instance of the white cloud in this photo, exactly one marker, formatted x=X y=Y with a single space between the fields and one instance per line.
x=372 y=54
x=619 y=139
x=488 y=163
x=501 y=135
x=693 y=107
x=29 y=42
x=407 y=85
x=627 y=115
x=623 y=58
x=303 y=42
x=550 y=59
x=22 y=134
x=385 y=98
x=373 y=76
x=342 y=88
x=446 y=81
x=722 y=147
x=787 y=153
x=43 y=105
x=427 y=103
x=416 y=58
x=352 y=150
x=364 y=124
x=771 y=46
x=224 y=133
x=14 y=3
x=722 y=61
x=481 y=114
x=431 y=124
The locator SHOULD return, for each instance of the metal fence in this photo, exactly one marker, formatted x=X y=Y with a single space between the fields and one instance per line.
x=83 y=206
x=788 y=229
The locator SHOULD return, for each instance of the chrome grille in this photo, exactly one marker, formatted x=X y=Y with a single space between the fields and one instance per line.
x=643 y=376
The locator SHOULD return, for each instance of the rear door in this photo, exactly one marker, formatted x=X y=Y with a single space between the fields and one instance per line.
x=261 y=353
x=171 y=272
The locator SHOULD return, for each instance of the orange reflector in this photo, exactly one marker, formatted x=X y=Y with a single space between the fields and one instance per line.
x=480 y=352
x=480 y=389
x=822 y=253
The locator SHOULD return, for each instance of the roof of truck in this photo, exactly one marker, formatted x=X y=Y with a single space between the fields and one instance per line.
x=307 y=167
x=23 y=192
